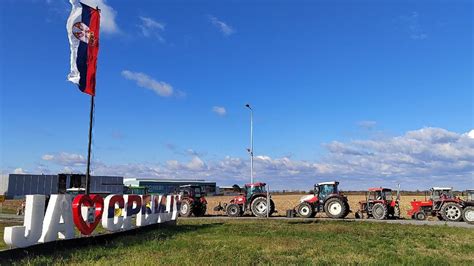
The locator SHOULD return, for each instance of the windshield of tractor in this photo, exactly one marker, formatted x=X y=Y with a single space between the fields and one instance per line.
x=325 y=190
x=470 y=195
x=197 y=192
x=438 y=194
x=255 y=189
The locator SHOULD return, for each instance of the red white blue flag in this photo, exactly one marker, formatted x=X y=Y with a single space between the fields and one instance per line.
x=83 y=31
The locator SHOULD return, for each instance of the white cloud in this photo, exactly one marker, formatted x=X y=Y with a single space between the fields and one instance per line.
x=19 y=171
x=152 y=28
x=222 y=26
x=471 y=134
x=65 y=159
x=417 y=159
x=413 y=26
x=219 y=110
x=367 y=124
x=107 y=15
x=159 y=87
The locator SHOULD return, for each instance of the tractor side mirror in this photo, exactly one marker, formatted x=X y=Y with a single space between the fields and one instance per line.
x=316 y=190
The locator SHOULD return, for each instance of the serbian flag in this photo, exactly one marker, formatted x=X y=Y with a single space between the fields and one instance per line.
x=83 y=31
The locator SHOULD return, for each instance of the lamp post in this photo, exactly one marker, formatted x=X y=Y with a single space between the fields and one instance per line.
x=251 y=142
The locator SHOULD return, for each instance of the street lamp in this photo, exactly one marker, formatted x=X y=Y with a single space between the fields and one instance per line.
x=250 y=151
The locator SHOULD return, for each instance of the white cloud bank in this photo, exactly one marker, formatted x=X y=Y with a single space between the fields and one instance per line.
x=417 y=159
x=159 y=87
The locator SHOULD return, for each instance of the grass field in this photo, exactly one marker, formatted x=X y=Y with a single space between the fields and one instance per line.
x=277 y=242
x=285 y=202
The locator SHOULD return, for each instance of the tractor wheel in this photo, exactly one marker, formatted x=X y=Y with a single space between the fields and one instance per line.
x=396 y=212
x=468 y=214
x=200 y=210
x=379 y=211
x=335 y=208
x=259 y=207
x=359 y=215
x=420 y=216
x=272 y=207
x=233 y=210
x=451 y=212
x=305 y=210
x=186 y=208
x=439 y=217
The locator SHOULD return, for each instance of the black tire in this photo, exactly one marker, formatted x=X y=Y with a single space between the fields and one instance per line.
x=440 y=217
x=199 y=210
x=259 y=207
x=396 y=212
x=272 y=207
x=379 y=211
x=359 y=215
x=233 y=210
x=305 y=210
x=468 y=214
x=336 y=208
x=420 y=216
x=186 y=208
x=451 y=212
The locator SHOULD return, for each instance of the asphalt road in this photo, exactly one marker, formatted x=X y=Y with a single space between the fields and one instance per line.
x=399 y=221
x=13 y=217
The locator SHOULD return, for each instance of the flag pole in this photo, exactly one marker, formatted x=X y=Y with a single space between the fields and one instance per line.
x=91 y=118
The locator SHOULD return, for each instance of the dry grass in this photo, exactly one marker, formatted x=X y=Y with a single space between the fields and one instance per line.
x=286 y=202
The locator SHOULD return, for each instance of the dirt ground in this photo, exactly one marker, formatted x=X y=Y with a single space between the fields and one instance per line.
x=286 y=202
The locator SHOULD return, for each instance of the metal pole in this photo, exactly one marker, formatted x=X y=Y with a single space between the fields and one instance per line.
x=91 y=117
x=268 y=201
x=251 y=146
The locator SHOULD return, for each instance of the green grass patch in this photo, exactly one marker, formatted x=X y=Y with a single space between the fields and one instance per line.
x=277 y=242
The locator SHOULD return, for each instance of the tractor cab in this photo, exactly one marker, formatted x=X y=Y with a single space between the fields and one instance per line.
x=441 y=193
x=191 y=191
x=255 y=188
x=380 y=193
x=470 y=196
x=325 y=189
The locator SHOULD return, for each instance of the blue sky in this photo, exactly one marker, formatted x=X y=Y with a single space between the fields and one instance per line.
x=370 y=93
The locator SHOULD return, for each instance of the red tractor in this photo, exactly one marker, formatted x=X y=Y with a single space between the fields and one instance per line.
x=379 y=204
x=193 y=201
x=468 y=207
x=442 y=204
x=327 y=198
x=252 y=198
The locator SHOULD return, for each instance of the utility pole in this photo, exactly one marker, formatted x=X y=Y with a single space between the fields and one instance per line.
x=251 y=142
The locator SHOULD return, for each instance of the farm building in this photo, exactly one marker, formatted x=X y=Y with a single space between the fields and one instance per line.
x=19 y=185
x=164 y=186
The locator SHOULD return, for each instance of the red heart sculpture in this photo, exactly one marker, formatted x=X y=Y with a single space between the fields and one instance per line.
x=87 y=201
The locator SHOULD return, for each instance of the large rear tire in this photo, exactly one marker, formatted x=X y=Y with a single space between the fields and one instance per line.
x=451 y=212
x=305 y=210
x=379 y=211
x=336 y=208
x=186 y=208
x=468 y=214
x=233 y=210
x=259 y=207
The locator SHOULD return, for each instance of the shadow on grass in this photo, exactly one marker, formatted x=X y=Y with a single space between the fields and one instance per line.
x=65 y=248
